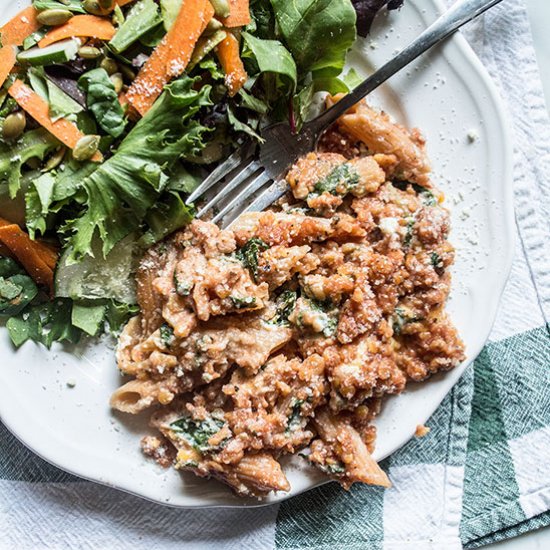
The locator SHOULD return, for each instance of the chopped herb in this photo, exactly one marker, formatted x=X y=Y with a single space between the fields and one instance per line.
x=437 y=263
x=401 y=318
x=409 y=233
x=183 y=288
x=167 y=335
x=339 y=181
x=197 y=433
x=295 y=416
x=327 y=315
x=336 y=468
x=188 y=464
x=327 y=308
x=286 y=302
x=425 y=194
x=244 y=302
x=249 y=253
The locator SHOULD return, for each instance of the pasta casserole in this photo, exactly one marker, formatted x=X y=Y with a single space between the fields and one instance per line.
x=283 y=333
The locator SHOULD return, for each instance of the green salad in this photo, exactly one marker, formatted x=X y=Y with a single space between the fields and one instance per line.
x=112 y=112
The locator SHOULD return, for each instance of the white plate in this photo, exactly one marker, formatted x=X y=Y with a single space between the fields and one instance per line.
x=449 y=96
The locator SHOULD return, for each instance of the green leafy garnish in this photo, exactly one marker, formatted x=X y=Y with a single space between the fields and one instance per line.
x=249 y=253
x=197 y=433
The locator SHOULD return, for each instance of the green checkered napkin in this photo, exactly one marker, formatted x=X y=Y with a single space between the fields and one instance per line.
x=482 y=474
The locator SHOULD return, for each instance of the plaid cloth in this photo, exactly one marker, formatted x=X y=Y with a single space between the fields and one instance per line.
x=483 y=472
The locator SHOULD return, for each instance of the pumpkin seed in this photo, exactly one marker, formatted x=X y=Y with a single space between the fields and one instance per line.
x=213 y=26
x=94 y=7
x=221 y=7
x=14 y=125
x=53 y=17
x=107 y=4
x=55 y=160
x=110 y=65
x=86 y=147
x=89 y=52
x=117 y=81
x=127 y=73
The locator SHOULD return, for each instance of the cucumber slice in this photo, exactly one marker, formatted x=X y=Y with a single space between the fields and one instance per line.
x=96 y=277
x=60 y=52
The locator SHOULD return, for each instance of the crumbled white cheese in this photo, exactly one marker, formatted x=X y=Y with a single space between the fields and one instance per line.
x=473 y=136
x=389 y=226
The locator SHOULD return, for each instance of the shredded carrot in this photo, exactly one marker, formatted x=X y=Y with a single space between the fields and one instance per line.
x=89 y=26
x=172 y=55
x=14 y=32
x=228 y=54
x=239 y=14
x=7 y=61
x=64 y=130
x=38 y=258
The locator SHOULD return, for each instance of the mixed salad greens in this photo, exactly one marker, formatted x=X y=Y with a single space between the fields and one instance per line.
x=113 y=111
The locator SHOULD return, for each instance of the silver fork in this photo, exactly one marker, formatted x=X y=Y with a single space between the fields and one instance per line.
x=247 y=182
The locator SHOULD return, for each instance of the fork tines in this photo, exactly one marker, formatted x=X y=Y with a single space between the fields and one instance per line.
x=231 y=187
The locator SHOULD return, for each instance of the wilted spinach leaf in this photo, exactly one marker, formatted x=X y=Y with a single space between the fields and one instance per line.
x=196 y=432
x=249 y=253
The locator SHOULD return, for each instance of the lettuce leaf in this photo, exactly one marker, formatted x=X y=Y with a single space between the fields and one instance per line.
x=64 y=320
x=33 y=317
x=318 y=33
x=33 y=144
x=120 y=192
x=61 y=104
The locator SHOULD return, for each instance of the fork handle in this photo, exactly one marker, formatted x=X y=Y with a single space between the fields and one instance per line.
x=459 y=14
